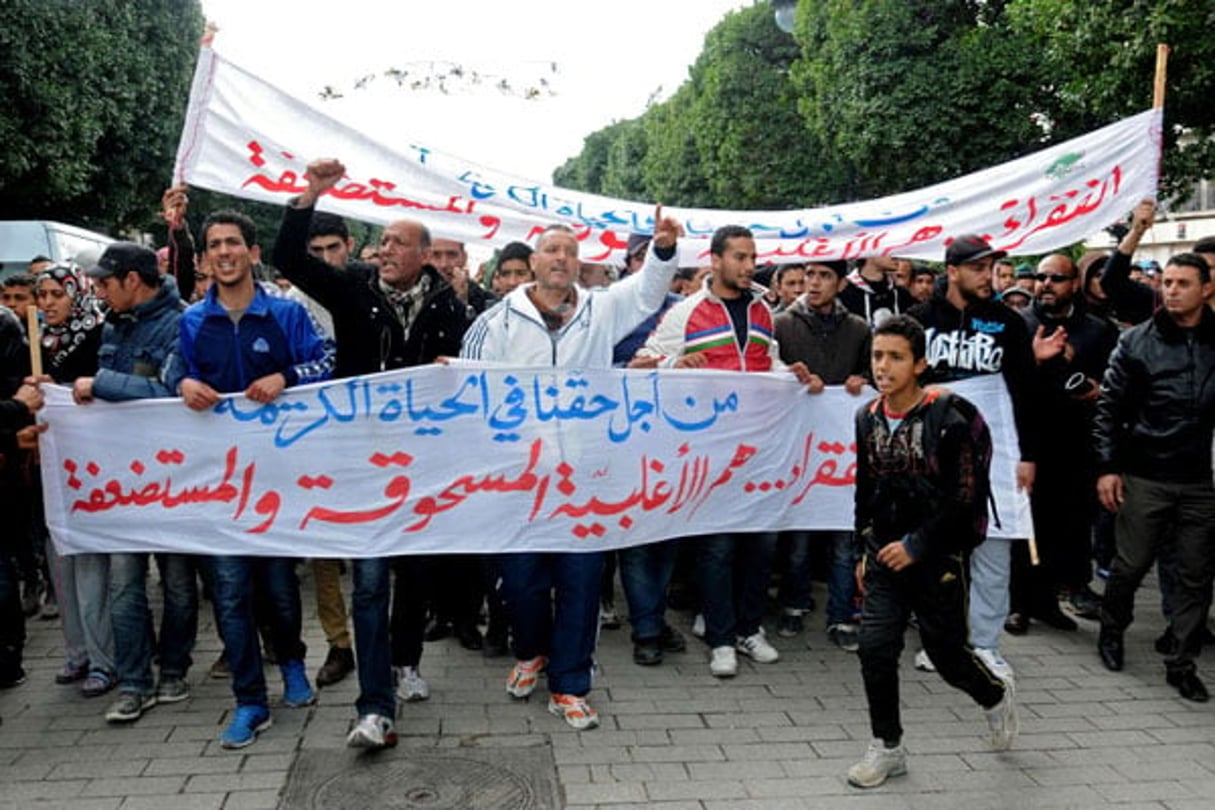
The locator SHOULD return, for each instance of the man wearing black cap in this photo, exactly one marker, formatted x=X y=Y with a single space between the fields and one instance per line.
x=969 y=334
x=137 y=361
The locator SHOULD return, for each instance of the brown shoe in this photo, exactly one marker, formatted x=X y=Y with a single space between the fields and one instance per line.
x=338 y=664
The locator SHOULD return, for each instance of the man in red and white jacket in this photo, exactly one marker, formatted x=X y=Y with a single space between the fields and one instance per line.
x=726 y=325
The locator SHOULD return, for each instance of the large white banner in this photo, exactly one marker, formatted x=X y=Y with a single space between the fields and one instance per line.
x=245 y=137
x=470 y=458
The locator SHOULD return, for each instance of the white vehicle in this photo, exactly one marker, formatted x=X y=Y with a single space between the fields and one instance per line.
x=22 y=240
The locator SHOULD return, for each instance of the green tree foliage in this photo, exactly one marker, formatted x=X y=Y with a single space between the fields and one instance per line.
x=1101 y=59
x=874 y=97
x=906 y=93
x=94 y=95
x=745 y=120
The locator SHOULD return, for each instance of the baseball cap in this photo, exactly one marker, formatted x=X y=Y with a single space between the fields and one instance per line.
x=970 y=248
x=124 y=257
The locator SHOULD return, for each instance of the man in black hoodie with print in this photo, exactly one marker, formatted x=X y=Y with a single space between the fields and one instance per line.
x=969 y=334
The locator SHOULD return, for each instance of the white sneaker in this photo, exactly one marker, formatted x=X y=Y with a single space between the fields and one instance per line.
x=411 y=686
x=372 y=731
x=992 y=659
x=698 y=625
x=723 y=663
x=757 y=648
x=1002 y=720
x=923 y=663
x=880 y=763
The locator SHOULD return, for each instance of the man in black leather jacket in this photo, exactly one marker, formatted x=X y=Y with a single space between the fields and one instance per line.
x=1153 y=433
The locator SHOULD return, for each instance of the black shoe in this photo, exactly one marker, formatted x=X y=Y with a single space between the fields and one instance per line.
x=1053 y=617
x=672 y=640
x=12 y=676
x=1085 y=603
x=437 y=630
x=1109 y=647
x=647 y=652
x=338 y=664
x=496 y=643
x=1167 y=644
x=470 y=637
x=1017 y=624
x=1188 y=685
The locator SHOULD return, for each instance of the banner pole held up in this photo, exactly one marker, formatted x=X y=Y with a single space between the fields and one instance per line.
x=35 y=333
x=1162 y=63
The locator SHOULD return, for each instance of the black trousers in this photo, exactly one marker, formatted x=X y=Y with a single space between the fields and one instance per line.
x=1153 y=515
x=936 y=591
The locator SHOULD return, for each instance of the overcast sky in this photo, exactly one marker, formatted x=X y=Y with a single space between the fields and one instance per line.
x=610 y=58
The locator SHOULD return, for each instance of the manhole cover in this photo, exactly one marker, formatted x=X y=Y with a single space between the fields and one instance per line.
x=413 y=779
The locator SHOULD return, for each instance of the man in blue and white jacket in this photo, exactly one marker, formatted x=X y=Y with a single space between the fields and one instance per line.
x=241 y=339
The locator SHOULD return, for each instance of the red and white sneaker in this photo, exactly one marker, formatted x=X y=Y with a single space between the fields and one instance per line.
x=523 y=676
x=576 y=711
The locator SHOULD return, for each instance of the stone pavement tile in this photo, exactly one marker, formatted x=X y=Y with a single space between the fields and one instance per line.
x=1067 y=796
x=189 y=801
x=598 y=793
x=1190 y=734
x=735 y=771
x=1186 y=769
x=1197 y=716
x=40 y=789
x=1031 y=741
x=801 y=769
x=188 y=766
x=698 y=790
x=1081 y=709
x=742 y=752
x=252 y=800
x=803 y=733
x=747 y=720
x=713 y=736
x=103 y=803
x=574 y=774
x=784 y=803
x=650 y=772
x=798 y=786
x=1120 y=792
x=677 y=753
x=667 y=721
x=99 y=768
x=217 y=782
x=1019 y=758
x=26 y=770
x=1008 y=780
x=691 y=805
x=1186 y=804
x=1111 y=722
x=139 y=786
x=578 y=755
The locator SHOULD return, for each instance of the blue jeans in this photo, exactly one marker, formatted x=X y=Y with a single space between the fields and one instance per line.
x=553 y=603
x=645 y=572
x=131 y=618
x=734 y=571
x=234 y=581
x=369 y=607
x=841 y=587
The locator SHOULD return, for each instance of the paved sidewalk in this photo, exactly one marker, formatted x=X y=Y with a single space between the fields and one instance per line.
x=673 y=737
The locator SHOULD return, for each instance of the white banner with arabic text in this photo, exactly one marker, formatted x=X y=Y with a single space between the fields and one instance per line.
x=245 y=137
x=469 y=458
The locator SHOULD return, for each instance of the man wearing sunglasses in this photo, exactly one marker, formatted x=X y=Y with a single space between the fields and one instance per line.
x=1071 y=349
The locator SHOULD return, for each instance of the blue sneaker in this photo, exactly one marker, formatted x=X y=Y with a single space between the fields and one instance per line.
x=297 y=691
x=247 y=721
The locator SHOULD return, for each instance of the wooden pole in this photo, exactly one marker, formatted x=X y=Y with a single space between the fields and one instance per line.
x=35 y=334
x=1162 y=63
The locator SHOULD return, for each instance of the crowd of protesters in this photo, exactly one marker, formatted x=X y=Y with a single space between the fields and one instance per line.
x=1108 y=364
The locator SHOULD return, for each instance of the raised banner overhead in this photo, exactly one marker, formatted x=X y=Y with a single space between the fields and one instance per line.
x=245 y=137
